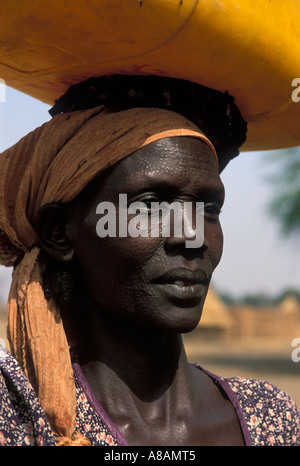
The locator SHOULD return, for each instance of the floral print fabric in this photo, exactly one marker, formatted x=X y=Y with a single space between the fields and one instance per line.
x=22 y=419
x=267 y=415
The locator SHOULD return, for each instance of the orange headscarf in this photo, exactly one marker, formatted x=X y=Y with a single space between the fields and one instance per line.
x=53 y=164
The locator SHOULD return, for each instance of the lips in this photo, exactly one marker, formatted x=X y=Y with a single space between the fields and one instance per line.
x=183 y=277
x=183 y=286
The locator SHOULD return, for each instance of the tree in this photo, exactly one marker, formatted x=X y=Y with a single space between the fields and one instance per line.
x=285 y=180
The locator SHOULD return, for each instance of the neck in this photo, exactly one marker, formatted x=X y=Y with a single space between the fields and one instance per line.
x=125 y=359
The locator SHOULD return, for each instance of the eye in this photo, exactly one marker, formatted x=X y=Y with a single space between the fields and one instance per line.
x=212 y=210
x=146 y=198
x=147 y=203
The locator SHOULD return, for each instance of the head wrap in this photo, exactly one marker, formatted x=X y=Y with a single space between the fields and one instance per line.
x=53 y=164
x=213 y=111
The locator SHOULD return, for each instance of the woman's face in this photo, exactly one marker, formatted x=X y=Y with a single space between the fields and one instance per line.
x=153 y=281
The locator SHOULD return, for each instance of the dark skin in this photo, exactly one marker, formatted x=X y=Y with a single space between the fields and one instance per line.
x=130 y=347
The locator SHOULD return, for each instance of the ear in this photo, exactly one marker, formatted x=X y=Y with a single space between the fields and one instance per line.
x=51 y=229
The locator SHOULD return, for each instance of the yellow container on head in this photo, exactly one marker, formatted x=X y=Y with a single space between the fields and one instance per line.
x=251 y=49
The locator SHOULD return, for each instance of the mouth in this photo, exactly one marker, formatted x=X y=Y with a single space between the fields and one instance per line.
x=183 y=277
x=184 y=285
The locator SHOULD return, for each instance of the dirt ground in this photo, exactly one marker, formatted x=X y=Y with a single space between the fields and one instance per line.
x=263 y=359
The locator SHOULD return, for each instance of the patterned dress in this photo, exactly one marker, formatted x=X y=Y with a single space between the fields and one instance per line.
x=266 y=414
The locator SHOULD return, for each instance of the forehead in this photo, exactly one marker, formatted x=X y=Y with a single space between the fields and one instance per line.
x=177 y=159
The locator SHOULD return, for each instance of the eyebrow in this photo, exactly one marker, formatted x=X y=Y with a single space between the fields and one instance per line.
x=213 y=188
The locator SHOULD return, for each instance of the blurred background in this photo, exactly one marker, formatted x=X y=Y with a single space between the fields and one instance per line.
x=252 y=312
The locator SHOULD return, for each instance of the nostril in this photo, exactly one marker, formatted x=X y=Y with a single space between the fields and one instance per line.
x=188 y=243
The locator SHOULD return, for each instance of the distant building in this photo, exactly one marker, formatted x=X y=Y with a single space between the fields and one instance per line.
x=216 y=318
x=280 y=322
x=239 y=321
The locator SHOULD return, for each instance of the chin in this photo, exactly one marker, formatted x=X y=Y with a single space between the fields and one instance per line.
x=182 y=320
x=188 y=326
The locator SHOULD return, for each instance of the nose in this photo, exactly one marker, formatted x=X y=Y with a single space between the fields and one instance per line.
x=191 y=231
x=186 y=242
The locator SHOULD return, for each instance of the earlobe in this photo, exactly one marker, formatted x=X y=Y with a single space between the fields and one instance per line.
x=51 y=230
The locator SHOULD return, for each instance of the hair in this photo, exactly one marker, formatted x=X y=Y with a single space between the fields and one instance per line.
x=214 y=112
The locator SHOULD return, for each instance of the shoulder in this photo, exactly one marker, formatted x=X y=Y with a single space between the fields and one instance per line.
x=271 y=415
x=22 y=419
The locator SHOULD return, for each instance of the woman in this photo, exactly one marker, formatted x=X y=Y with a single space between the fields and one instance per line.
x=95 y=323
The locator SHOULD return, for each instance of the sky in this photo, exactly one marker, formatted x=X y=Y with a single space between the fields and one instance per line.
x=256 y=259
